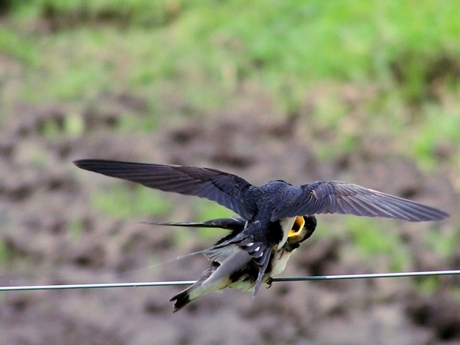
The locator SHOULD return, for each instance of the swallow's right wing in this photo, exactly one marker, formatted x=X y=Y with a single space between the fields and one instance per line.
x=347 y=198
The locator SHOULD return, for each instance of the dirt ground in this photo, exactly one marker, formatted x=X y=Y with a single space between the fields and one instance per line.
x=51 y=235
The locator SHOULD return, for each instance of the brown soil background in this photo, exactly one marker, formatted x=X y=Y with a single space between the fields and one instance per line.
x=42 y=195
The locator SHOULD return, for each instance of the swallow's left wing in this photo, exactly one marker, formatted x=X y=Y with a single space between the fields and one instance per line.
x=226 y=189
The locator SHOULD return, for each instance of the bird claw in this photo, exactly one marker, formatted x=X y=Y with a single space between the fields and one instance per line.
x=269 y=282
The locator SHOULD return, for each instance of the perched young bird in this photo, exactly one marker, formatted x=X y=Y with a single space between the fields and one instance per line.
x=270 y=210
x=234 y=267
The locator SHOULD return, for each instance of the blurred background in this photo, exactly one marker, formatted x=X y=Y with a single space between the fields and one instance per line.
x=362 y=91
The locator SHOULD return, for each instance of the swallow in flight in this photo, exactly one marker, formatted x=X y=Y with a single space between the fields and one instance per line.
x=234 y=267
x=270 y=210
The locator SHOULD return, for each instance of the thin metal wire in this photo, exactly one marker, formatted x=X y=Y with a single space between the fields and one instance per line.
x=283 y=279
x=370 y=276
x=93 y=286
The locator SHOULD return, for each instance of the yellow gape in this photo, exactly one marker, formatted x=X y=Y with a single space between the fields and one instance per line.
x=294 y=235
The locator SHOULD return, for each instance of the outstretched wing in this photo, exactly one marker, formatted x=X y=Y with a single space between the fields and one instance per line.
x=226 y=189
x=346 y=198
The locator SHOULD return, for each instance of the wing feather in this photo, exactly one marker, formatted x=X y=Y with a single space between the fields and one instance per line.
x=347 y=198
x=226 y=189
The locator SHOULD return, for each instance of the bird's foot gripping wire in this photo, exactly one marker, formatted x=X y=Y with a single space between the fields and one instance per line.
x=269 y=282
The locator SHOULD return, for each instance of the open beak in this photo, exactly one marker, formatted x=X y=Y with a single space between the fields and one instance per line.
x=296 y=233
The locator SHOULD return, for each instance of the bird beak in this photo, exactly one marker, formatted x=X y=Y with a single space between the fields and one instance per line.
x=295 y=234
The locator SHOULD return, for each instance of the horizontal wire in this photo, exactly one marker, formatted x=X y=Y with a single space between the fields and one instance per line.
x=93 y=286
x=369 y=276
x=282 y=279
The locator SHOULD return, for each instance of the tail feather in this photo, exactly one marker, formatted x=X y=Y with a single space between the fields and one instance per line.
x=181 y=300
x=193 y=292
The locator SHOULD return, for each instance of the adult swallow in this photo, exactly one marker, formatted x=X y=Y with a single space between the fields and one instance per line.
x=232 y=266
x=270 y=210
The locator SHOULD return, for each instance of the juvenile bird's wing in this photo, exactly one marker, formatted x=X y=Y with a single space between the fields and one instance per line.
x=226 y=189
x=346 y=198
x=236 y=224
